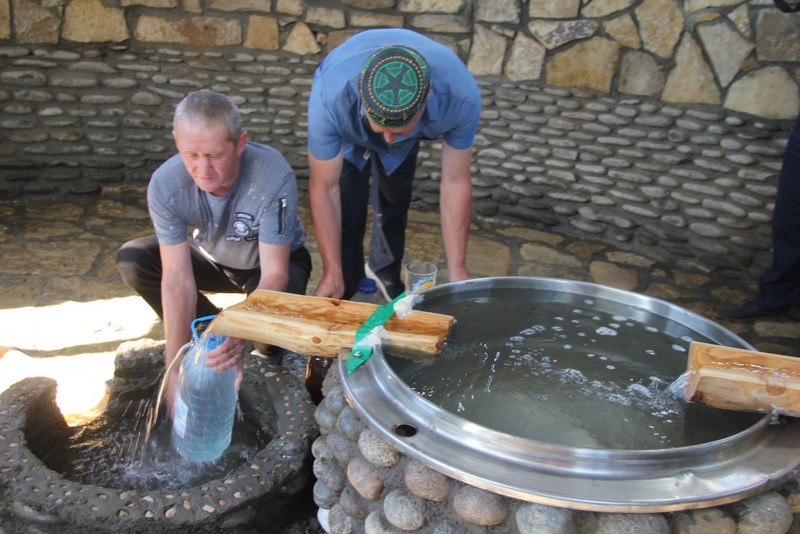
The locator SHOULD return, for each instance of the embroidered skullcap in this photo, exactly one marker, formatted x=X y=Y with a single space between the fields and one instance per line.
x=394 y=85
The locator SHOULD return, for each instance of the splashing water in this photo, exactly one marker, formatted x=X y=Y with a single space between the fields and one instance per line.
x=131 y=448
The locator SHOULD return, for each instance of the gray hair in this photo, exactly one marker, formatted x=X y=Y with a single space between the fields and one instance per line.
x=206 y=107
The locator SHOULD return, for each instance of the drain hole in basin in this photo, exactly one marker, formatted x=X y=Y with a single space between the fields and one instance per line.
x=405 y=430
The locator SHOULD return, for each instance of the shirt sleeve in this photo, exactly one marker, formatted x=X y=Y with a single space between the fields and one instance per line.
x=462 y=135
x=324 y=139
x=169 y=228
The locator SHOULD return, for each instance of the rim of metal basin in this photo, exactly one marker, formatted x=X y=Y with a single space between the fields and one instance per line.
x=606 y=480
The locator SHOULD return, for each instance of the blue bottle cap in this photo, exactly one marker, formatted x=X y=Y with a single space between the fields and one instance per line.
x=367 y=285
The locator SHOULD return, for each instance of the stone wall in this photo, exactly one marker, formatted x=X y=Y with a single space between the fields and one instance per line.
x=655 y=122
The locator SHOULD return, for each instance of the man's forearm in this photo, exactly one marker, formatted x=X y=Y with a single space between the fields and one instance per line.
x=456 y=213
x=326 y=212
x=179 y=310
x=455 y=207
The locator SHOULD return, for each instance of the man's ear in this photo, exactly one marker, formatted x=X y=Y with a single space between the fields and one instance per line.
x=241 y=143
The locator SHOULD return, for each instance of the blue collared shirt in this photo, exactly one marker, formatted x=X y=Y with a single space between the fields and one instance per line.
x=336 y=117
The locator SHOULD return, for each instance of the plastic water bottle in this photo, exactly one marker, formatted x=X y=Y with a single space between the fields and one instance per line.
x=368 y=292
x=205 y=403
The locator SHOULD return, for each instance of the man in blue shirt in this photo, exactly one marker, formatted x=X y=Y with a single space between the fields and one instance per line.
x=373 y=99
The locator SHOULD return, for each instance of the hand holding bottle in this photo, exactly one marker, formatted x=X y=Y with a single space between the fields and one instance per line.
x=228 y=354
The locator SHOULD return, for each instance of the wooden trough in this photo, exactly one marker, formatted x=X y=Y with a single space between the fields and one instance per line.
x=319 y=326
x=739 y=379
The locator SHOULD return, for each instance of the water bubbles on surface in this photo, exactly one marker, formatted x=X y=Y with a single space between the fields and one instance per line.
x=610 y=367
x=652 y=329
x=572 y=376
x=590 y=355
x=533 y=330
x=589 y=302
x=650 y=352
x=558 y=328
x=678 y=348
x=567 y=347
x=640 y=390
x=605 y=331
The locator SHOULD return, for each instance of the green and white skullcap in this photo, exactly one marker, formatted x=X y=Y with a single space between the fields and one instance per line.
x=394 y=85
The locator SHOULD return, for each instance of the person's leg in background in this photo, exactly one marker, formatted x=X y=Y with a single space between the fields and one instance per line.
x=354 y=192
x=779 y=286
x=391 y=200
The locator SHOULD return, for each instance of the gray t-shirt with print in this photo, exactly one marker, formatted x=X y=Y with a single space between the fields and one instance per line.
x=260 y=207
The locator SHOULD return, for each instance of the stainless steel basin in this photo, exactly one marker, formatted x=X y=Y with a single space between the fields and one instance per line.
x=752 y=459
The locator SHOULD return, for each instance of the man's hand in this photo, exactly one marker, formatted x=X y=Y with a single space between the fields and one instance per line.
x=457 y=274
x=330 y=286
x=230 y=353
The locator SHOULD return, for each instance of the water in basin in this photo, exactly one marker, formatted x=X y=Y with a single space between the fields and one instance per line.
x=566 y=369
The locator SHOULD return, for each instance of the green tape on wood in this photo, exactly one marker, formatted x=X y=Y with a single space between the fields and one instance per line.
x=362 y=350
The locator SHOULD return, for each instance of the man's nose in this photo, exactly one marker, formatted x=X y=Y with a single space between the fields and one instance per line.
x=390 y=137
x=204 y=164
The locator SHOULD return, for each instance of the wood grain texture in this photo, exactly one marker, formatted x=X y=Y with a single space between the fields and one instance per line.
x=744 y=380
x=319 y=326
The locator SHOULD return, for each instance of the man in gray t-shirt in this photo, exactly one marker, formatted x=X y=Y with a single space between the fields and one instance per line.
x=239 y=200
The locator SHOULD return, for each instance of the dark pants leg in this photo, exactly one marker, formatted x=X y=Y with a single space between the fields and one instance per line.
x=390 y=203
x=780 y=284
x=139 y=264
x=354 y=193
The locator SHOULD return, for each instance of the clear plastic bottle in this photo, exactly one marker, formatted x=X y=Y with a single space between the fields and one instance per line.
x=205 y=403
x=368 y=292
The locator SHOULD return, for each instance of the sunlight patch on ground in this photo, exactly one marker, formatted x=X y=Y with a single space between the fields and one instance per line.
x=75 y=324
x=89 y=332
x=82 y=389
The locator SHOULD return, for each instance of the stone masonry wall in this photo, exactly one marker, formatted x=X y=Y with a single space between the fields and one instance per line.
x=653 y=122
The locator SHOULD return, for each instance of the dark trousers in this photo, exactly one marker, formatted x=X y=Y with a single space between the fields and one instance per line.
x=780 y=284
x=390 y=198
x=139 y=263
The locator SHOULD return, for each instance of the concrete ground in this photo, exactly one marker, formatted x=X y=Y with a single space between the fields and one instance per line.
x=64 y=309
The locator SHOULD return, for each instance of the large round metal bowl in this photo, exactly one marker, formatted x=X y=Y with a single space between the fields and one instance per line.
x=696 y=476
